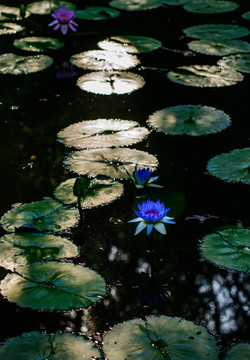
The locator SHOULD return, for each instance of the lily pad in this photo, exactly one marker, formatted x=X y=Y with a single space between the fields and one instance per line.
x=42 y=215
x=21 y=65
x=130 y=44
x=159 y=338
x=240 y=62
x=10 y=13
x=26 y=248
x=104 y=60
x=210 y=6
x=239 y=351
x=194 y=120
x=112 y=82
x=114 y=163
x=97 y=13
x=233 y=166
x=174 y=2
x=205 y=76
x=53 y=286
x=219 y=47
x=110 y=191
x=135 y=5
x=229 y=248
x=38 y=44
x=246 y=15
x=216 y=31
x=102 y=133
x=36 y=345
x=8 y=28
x=48 y=6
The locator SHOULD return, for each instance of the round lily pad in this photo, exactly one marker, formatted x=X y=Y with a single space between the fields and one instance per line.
x=239 y=351
x=130 y=44
x=42 y=215
x=38 y=345
x=36 y=43
x=48 y=6
x=114 y=163
x=108 y=191
x=10 y=13
x=246 y=15
x=159 y=338
x=8 y=28
x=205 y=76
x=112 y=82
x=233 y=166
x=135 y=5
x=174 y=2
x=97 y=13
x=21 y=65
x=53 y=286
x=194 y=120
x=210 y=6
x=219 y=47
x=104 y=60
x=26 y=248
x=216 y=31
x=101 y=133
x=229 y=248
x=240 y=62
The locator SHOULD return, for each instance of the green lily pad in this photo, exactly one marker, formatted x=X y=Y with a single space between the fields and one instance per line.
x=246 y=15
x=233 y=166
x=135 y=5
x=26 y=248
x=205 y=76
x=216 y=31
x=194 y=120
x=174 y=2
x=21 y=65
x=228 y=248
x=40 y=346
x=239 y=351
x=48 y=6
x=130 y=44
x=97 y=13
x=8 y=28
x=43 y=215
x=219 y=47
x=239 y=62
x=10 y=13
x=159 y=338
x=38 y=44
x=114 y=163
x=53 y=286
x=210 y=6
x=102 y=133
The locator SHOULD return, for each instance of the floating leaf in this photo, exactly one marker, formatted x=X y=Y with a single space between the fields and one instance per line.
x=240 y=62
x=239 y=351
x=233 y=166
x=210 y=6
x=8 y=28
x=174 y=2
x=194 y=120
x=107 y=83
x=97 y=13
x=101 y=133
x=216 y=31
x=159 y=338
x=114 y=163
x=39 y=346
x=10 y=13
x=219 y=47
x=42 y=215
x=135 y=5
x=107 y=191
x=48 y=6
x=130 y=44
x=229 y=248
x=20 y=65
x=104 y=60
x=53 y=286
x=205 y=76
x=246 y=15
x=26 y=248
x=38 y=43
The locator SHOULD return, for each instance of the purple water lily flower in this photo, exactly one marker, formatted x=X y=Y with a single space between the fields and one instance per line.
x=63 y=19
x=142 y=178
x=152 y=215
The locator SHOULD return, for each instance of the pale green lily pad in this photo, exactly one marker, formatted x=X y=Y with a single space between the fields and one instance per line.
x=159 y=338
x=35 y=345
x=240 y=62
x=174 y=2
x=25 y=248
x=102 y=133
x=97 y=13
x=233 y=166
x=246 y=15
x=194 y=120
x=53 y=286
x=43 y=215
x=104 y=60
x=36 y=43
x=219 y=47
x=112 y=82
x=21 y=65
x=205 y=76
x=216 y=31
x=110 y=191
x=130 y=44
x=229 y=248
x=239 y=352
x=135 y=5
x=10 y=13
x=210 y=6
x=47 y=7
x=114 y=163
x=8 y=28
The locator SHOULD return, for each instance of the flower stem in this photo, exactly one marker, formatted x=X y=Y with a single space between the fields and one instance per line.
x=152 y=250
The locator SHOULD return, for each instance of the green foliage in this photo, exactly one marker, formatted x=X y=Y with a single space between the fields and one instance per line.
x=36 y=43
x=135 y=5
x=21 y=65
x=210 y=6
x=7 y=28
x=239 y=352
x=219 y=47
x=174 y=2
x=130 y=44
x=11 y=13
x=246 y=15
x=47 y=7
x=216 y=31
x=81 y=186
x=239 y=62
x=97 y=13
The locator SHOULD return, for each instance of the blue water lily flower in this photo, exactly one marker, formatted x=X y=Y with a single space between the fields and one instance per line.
x=152 y=215
x=142 y=178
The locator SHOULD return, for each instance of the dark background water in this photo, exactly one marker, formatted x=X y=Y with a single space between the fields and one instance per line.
x=35 y=107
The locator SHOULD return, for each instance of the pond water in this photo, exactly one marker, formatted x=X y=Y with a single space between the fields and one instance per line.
x=35 y=107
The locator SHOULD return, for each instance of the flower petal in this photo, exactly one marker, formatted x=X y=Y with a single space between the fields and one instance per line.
x=53 y=23
x=155 y=185
x=72 y=27
x=135 y=220
x=140 y=227
x=149 y=228
x=168 y=220
x=161 y=228
x=64 y=29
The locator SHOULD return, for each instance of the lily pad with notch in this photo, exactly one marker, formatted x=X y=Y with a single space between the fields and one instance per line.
x=130 y=44
x=216 y=31
x=97 y=13
x=47 y=7
x=8 y=28
x=135 y=5
x=219 y=47
x=210 y=6
x=36 y=43
x=21 y=65
x=239 y=62
x=239 y=351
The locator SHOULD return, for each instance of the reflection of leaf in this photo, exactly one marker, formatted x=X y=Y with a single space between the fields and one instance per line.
x=96 y=13
x=216 y=31
x=10 y=28
x=219 y=47
x=38 y=43
x=48 y=6
x=129 y=44
x=239 y=352
x=210 y=6
x=240 y=62
x=135 y=5
x=21 y=65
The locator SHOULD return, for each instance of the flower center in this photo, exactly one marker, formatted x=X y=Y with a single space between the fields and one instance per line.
x=152 y=212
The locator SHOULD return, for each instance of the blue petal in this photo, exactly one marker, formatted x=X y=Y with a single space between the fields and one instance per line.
x=161 y=228
x=140 y=227
x=149 y=228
